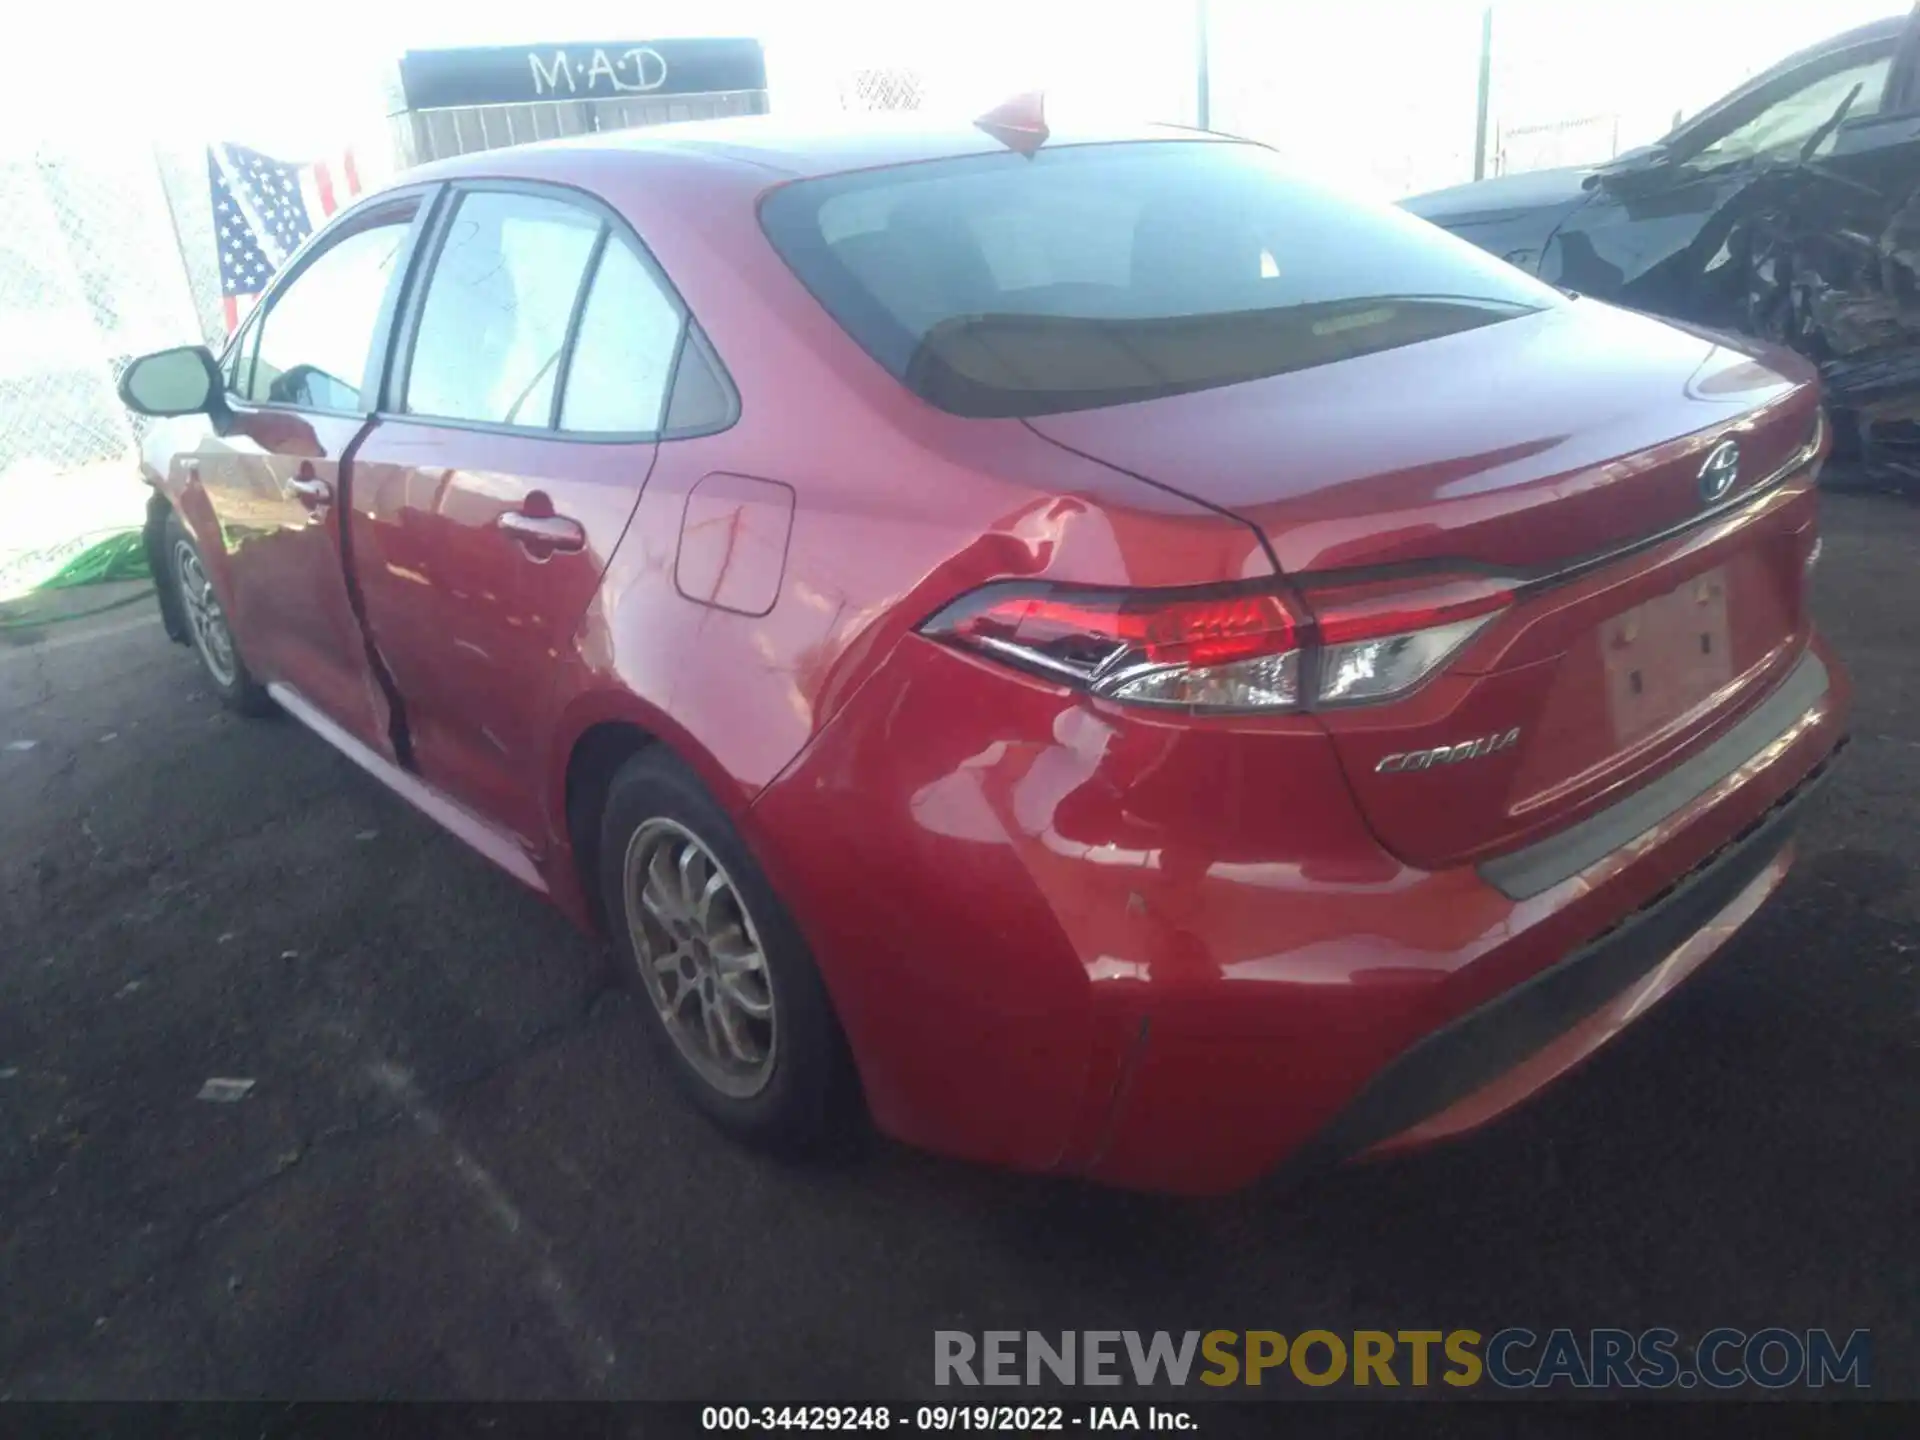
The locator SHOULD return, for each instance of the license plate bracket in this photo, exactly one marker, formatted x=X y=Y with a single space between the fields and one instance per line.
x=1666 y=655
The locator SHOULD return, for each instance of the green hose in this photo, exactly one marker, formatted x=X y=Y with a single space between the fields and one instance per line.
x=120 y=555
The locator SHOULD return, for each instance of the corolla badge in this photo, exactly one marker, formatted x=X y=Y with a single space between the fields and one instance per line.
x=1448 y=754
x=1719 y=471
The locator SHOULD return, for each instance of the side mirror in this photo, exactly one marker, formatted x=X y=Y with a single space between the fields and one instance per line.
x=182 y=381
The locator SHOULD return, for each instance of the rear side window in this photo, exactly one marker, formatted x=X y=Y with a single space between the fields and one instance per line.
x=702 y=401
x=623 y=357
x=494 y=322
x=1100 y=274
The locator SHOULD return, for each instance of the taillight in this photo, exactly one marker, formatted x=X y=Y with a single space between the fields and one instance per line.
x=1230 y=649
x=1220 y=651
x=1380 y=639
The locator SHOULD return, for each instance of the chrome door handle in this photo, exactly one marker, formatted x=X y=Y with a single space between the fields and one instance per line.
x=544 y=535
x=311 y=492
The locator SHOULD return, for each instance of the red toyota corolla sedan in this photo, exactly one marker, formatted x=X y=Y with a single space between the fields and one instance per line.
x=1117 y=660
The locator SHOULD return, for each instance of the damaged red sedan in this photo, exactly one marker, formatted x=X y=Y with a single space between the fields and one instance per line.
x=1110 y=658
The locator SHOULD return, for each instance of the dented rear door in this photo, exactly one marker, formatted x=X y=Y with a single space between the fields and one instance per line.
x=499 y=478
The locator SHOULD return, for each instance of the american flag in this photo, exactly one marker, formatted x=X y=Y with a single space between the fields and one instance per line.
x=262 y=209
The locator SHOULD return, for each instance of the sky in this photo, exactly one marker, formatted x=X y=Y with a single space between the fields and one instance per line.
x=1384 y=93
x=1380 y=90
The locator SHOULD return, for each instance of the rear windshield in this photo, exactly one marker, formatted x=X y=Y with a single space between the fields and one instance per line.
x=1097 y=274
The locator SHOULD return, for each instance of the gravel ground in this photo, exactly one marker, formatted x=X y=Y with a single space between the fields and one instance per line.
x=457 y=1172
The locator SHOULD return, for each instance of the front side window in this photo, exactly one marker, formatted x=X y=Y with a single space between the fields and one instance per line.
x=623 y=356
x=311 y=347
x=494 y=322
x=1100 y=274
x=1789 y=122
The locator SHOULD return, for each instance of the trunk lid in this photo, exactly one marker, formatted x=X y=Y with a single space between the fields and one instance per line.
x=1525 y=443
x=1563 y=449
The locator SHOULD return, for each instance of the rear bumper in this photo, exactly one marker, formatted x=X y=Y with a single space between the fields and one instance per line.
x=1171 y=956
x=1492 y=1058
x=1594 y=938
x=1537 y=868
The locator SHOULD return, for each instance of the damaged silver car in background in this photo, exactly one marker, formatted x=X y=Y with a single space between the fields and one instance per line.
x=1790 y=210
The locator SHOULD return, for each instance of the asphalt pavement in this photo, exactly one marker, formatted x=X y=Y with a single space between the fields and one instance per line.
x=456 y=1170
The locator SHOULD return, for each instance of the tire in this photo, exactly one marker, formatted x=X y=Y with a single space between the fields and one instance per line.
x=207 y=630
x=785 y=1084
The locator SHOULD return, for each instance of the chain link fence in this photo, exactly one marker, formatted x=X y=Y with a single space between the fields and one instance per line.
x=1337 y=92
x=182 y=172
x=883 y=87
x=91 y=275
x=1582 y=141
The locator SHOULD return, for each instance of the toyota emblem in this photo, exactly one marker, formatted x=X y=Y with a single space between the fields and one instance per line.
x=1721 y=470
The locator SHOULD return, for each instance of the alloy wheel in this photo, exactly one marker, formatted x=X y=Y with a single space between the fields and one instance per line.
x=204 y=615
x=700 y=958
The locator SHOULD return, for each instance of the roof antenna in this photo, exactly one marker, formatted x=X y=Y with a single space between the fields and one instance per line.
x=1020 y=124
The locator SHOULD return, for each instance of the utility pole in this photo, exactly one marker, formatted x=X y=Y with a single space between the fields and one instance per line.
x=1204 y=97
x=1486 y=85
